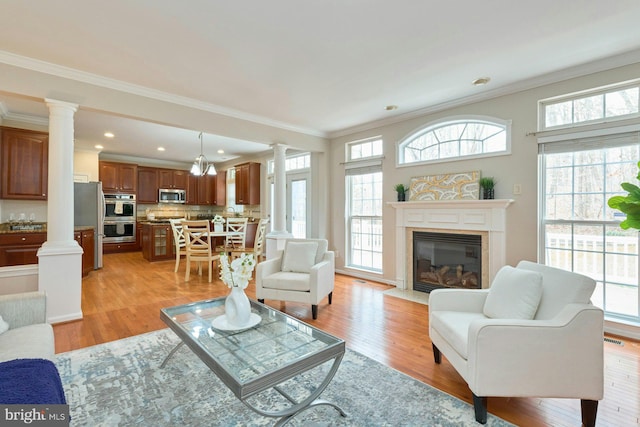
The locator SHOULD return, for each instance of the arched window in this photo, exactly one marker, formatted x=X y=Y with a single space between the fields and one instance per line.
x=456 y=138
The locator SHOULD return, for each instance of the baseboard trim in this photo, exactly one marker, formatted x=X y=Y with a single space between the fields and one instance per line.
x=66 y=318
x=362 y=275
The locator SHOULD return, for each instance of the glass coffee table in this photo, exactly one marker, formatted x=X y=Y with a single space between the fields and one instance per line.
x=260 y=358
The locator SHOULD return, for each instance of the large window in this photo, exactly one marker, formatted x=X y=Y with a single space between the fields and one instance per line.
x=579 y=232
x=615 y=102
x=364 y=149
x=458 y=138
x=364 y=205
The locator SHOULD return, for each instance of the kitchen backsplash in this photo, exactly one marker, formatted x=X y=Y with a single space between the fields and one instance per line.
x=35 y=209
x=193 y=212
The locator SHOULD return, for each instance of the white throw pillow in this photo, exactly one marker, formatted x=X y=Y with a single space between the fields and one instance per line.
x=4 y=326
x=299 y=257
x=514 y=294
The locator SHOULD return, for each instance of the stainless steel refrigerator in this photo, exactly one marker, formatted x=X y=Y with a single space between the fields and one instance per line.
x=88 y=210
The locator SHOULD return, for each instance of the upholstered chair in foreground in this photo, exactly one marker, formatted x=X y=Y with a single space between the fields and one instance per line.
x=303 y=272
x=534 y=333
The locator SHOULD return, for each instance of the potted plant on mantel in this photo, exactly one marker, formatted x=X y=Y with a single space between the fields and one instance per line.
x=401 y=189
x=487 y=183
x=629 y=205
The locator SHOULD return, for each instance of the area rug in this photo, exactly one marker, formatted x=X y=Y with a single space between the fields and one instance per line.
x=121 y=384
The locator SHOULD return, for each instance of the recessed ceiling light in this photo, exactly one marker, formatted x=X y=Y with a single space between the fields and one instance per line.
x=109 y=134
x=481 y=81
x=391 y=107
x=220 y=151
x=99 y=147
x=160 y=148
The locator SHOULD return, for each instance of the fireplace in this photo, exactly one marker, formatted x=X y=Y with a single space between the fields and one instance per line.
x=484 y=218
x=445 y=260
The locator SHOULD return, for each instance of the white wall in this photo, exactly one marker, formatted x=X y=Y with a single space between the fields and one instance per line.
x=85 y=164
x=520 y=167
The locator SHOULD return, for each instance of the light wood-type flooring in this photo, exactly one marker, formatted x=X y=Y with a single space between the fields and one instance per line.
x=125 y=297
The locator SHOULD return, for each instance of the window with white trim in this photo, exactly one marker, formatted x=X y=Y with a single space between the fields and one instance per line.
x=456 y=138
x=599 y=105
x=292 y=163
x=579 y=232
x=366 y=148
x=364 y=205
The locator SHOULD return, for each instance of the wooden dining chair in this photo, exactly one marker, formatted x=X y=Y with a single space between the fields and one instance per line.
x=178 y=240
x=198 y=246
x=258 y=243
x=236 y=242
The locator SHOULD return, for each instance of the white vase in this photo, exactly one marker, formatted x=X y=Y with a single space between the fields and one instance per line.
x=217 y=227
x=237 y=308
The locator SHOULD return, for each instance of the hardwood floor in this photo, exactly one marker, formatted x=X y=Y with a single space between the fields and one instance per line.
x=124 y=299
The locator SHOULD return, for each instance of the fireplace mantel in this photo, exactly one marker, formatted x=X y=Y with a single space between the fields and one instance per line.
x=487 y=217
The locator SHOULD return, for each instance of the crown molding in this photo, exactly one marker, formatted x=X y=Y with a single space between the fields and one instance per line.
x=5 y=114
x=604 y=64
x=96 y=80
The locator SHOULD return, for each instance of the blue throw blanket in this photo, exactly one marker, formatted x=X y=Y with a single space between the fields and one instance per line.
x=31 y=381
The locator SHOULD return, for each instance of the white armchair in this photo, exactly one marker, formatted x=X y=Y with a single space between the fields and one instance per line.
x=303 y=272
x=534 y=333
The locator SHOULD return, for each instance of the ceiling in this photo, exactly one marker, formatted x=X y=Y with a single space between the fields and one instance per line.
x=320 y=68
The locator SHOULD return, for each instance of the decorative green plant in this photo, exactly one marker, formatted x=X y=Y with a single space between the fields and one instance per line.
x=629 y=204
x=401 y=188
x=487 y=182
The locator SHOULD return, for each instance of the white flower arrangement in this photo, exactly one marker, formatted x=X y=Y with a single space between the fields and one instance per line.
x=218 y=219
x=237 y=273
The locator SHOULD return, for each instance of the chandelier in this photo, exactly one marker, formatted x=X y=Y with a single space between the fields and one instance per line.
x=201 y=166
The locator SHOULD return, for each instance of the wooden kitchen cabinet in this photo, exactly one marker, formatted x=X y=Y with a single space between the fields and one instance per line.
x=172 y=178
x=113 y=248
x=147 y=185
x=192 y=189
x=86 y=240
x=207 y=190
x=250 y=237
x=157 y=242
x=220 y=195
x=20 y=248
x=24 y=158
x=248 y=184
x=119 y=177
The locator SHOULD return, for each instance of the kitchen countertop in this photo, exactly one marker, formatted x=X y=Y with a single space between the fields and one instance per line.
x=161 y=221
x=39 y=227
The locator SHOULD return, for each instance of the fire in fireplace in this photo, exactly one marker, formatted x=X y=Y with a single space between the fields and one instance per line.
x=446 y=260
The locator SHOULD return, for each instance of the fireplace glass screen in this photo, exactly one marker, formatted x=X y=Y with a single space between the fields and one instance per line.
x=444 y=260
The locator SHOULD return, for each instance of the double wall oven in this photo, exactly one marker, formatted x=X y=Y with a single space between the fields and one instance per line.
x=119 y=218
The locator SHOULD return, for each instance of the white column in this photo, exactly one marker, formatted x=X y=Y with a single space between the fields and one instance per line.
x=275 y=238
x=60 y=257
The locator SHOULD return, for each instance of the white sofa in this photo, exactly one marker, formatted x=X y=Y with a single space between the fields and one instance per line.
x=533 y=334
x=29 y=335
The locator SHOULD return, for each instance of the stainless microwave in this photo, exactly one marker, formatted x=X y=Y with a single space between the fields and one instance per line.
x=172 y=195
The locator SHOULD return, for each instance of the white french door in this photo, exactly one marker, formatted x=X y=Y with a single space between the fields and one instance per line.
x=298 y=205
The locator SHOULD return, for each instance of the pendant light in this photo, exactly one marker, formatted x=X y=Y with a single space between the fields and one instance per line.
x=201 y=166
